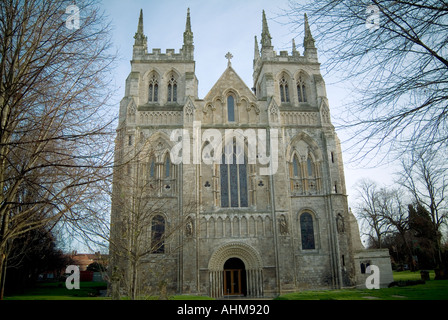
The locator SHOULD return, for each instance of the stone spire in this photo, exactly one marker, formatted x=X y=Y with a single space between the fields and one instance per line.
x=188 y=48
x=265 y=35
x=188 y=34
x=310 y=51
x=140 y=38
x=256 y=50
x=141 y=41
x=308 y=41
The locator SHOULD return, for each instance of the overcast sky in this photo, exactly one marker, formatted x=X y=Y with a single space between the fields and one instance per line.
x=220 y=26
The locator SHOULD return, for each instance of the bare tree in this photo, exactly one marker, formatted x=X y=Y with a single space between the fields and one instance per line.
x=425 y=176
x=55 y=133
x=369 y=212
x=394 y=210
x=385 y=212
x=394 y=53
x=147 y=224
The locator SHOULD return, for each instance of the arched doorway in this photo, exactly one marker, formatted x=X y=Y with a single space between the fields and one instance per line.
x=236 y=256
x=235 y=278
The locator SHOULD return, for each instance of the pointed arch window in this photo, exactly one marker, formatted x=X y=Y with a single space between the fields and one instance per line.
x=167 y=166
x=172 y=89
x=284 y=90
x=295 y=166
x=301 y=89
x=307 y=231
x=230 y=108
x=309 y=165
x=158 y=234
x=152 y=169
x=153 y=92
x=233 y=180
x=296 y=176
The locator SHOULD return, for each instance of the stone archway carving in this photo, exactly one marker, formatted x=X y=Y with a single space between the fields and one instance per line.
x=252 y=261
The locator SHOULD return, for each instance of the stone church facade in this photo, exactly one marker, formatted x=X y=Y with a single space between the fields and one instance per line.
x=242 y=192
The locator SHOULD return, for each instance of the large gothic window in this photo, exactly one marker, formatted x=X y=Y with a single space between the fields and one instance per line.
x=230 y=109
x=307 y=231
x=157 y=234
x=172 y=89
x=284 y=90
x=233 y=179
x=301 y=89
x=153 y=92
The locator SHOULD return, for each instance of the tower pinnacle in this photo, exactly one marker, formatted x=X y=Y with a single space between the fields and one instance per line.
x=256 y=50
x=140 y=22
x=188 y=48
x=265 y=35
x=308 y=41
x=188 y=34
x=140 y=38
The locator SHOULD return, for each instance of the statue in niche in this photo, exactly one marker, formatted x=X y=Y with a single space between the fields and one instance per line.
x=340 y=223
x=189 y=228
x=283 y=225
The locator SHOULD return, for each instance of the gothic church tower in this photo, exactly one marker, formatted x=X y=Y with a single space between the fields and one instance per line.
x=241 y=192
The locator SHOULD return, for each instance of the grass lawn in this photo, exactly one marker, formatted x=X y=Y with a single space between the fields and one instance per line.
x=58 y=291
x=431 y=290
x=87 y=291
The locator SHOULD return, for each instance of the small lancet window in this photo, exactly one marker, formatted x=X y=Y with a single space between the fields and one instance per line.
x=167 y=166
x=152 y=169
x=295 y=167
x=284 y=90
x=230 y=109
x=309 y=167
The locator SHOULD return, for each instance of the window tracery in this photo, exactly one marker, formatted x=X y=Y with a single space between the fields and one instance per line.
x=301 y=89
x=172 y=89
x=153 y=90
x=284 y=90
x=233 y=173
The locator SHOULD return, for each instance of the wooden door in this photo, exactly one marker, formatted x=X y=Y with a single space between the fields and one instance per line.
x=232 y=282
